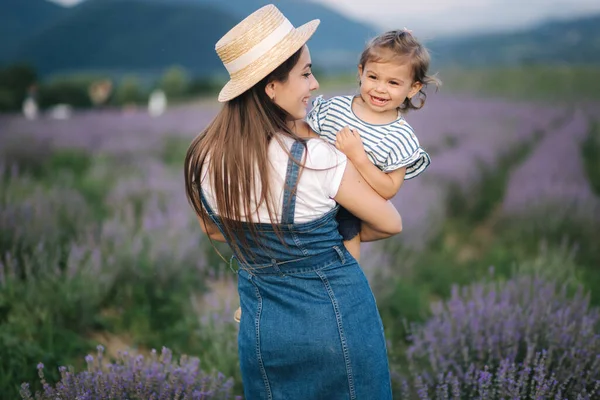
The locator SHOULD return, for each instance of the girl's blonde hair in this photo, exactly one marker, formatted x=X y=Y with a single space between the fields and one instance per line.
x=401 y=46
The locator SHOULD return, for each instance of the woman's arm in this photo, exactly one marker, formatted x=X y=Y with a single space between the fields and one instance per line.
x=381 y=218
x=386 y=184
x=211 y=229
x=368 y=234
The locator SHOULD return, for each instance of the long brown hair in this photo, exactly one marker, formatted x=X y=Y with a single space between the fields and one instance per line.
x=233 y=149
x=402 y=46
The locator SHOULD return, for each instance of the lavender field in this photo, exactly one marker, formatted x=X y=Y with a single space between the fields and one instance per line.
x=491 y=290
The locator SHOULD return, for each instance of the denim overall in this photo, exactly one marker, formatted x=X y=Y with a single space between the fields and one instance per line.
x=310 y=328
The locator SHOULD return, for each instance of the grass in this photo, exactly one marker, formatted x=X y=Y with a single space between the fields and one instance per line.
x=551 y=84
x=590 y=150
x=475 y=238
x=150 y=315
x=52 y=304
x=51 y=315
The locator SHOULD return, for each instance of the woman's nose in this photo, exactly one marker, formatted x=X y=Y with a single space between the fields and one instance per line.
x=314 y=84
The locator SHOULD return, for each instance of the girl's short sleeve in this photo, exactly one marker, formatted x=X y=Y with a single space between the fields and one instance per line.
x=318 y=113
x=326 y=164
x=405 y=151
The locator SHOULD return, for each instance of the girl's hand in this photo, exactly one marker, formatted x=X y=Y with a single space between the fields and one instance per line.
x=349 y=142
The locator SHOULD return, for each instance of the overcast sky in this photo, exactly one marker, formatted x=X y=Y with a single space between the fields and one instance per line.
x=438 y=17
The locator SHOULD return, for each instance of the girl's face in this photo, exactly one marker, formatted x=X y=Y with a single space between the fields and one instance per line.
x=385 y=85
x=293 y=95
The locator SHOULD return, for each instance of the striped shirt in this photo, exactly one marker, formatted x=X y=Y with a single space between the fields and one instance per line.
x=389 y=146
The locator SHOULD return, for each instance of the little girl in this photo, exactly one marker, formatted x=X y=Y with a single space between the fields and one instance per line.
x=370 y=129
x=393 y=69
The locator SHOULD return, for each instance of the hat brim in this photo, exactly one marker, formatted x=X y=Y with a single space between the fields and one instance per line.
x=278 y=54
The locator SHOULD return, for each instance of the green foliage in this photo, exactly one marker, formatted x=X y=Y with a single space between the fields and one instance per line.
x=491 y=186
x=129 y=91
x=64 y=91
x=74 y=262
x=475 y=238
x=532 y=82
x=15 y=81
x=215 y=343
x=174 y=82
x=205 y=86
x=590 y=149
x=63 y=275
x=174 y=149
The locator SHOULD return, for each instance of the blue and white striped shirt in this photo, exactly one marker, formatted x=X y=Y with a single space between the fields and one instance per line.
x=389 y=146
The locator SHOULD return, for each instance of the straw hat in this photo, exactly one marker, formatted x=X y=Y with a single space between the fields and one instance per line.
x=257 y=46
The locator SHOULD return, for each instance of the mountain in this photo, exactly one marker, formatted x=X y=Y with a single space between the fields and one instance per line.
x=574 y=41
x=338 y=41
x=148 y=35
x=22 y=19
x=128 y=35
x=145 y=36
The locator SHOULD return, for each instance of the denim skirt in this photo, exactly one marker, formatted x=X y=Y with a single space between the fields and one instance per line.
x=310 y=330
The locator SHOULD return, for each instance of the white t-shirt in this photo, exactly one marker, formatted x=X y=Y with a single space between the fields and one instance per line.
x=317 y=186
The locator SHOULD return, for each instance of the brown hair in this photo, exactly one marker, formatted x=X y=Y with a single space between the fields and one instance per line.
x=401 y=46
x=233 y=149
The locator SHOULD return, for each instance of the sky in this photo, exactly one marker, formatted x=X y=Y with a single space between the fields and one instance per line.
x=435 y=18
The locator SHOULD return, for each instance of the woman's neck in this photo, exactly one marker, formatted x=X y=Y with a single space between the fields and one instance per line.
x=300 y=128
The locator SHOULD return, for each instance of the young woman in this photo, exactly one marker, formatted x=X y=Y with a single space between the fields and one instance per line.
x=260 y=180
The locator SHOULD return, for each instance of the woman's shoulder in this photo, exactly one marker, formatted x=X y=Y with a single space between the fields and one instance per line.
x=322 y=154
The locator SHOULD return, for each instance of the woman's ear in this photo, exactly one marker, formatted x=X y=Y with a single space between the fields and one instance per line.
x=270 y=90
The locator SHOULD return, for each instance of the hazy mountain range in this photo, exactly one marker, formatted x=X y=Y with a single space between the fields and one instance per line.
x=149 y=35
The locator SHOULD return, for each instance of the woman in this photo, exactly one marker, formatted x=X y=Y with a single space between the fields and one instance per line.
x=260 y=181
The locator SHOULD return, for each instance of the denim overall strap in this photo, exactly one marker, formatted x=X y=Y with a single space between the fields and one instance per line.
x=291 y=178
x=205 y=203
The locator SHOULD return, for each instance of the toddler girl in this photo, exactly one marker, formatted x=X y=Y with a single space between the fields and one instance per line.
x=370 y=128
x=393 y=70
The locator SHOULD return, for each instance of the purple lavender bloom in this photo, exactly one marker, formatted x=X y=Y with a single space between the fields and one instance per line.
x=486 y=325
x=553 y=178
x=137 y=377
x=517 y=381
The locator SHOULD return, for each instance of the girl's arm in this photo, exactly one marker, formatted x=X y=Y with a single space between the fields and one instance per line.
x=386 y=184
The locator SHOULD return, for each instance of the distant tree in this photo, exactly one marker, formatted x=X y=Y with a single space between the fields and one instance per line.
x=205 y=85
x=64 y=91
x=129 y=91
x=15 y=80
x=174 y=81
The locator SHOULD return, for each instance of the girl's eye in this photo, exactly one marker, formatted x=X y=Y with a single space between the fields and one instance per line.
x=394 y=83
x=372 y=77
x=306 y=75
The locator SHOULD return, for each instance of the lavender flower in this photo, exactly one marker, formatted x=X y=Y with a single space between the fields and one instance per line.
x=509 y=322
x=516 y=381
x=136 y=377
x=553 y=177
